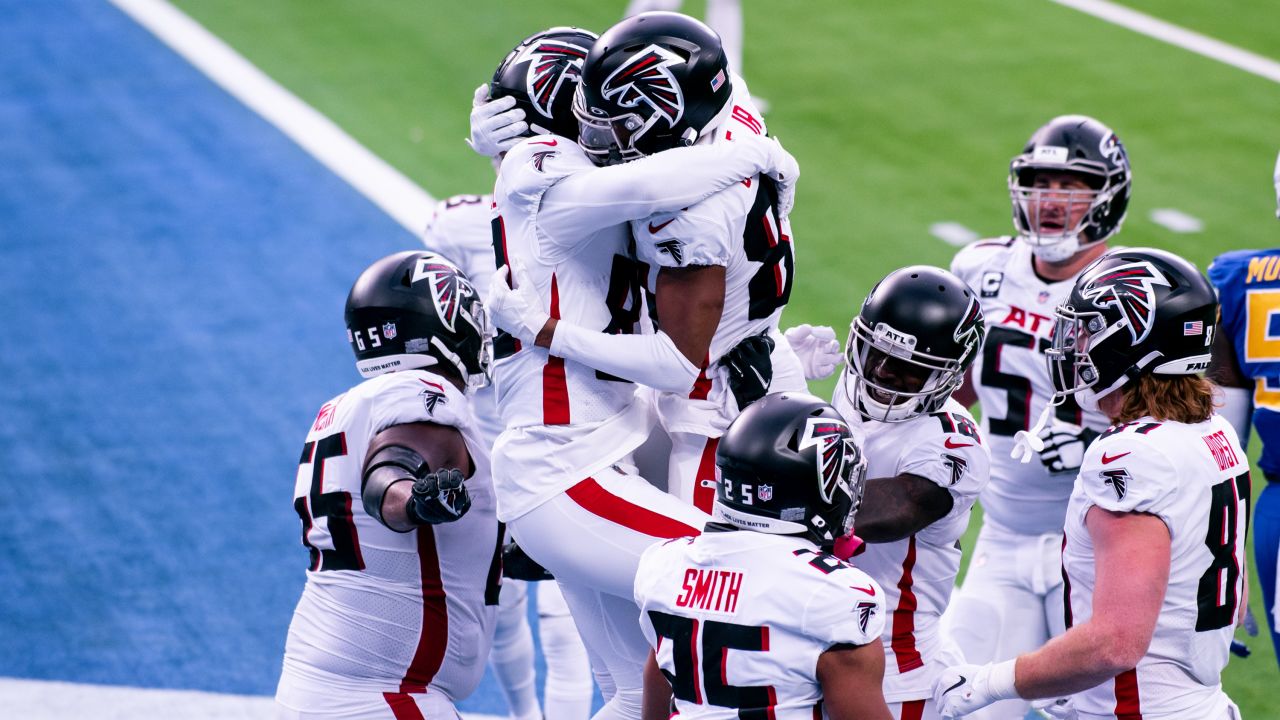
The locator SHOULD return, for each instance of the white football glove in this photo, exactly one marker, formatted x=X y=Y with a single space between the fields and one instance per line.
x=1064 y=446
x=817 y=348
x=785 y=172
x=495 y=127
x=962 y=689
x=1056 y=708
x=517 y=310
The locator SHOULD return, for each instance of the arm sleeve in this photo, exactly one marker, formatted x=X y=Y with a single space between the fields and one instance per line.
x=651 y=360
x=839 y=612
x=1139 y=478
x=583 y=203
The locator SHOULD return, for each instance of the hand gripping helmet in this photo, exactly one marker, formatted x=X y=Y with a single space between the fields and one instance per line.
x=918 y=331
x=790 y=465
x=542 y=73
x=1131 y=312
x=1086 y=148
x=416 y=309
x=654 y=81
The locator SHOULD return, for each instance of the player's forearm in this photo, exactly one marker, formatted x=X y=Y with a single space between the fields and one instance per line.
x=1077 y=660
x=651 y=360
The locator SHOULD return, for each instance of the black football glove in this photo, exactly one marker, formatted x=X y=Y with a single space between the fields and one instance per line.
x=1064 y=446
x=750 y=367
x=517 y=565
x=438 y=497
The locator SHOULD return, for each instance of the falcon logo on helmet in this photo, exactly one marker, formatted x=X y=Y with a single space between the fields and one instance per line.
x=552 y=65
x=1129 y=288
x=835 y=446
x=972 y=328
x=445 y=287
x=645 y=77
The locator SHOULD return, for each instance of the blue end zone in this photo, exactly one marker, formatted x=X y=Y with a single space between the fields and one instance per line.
x=173 y=271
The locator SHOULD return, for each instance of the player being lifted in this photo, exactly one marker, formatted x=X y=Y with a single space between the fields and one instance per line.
x=755 y=618
x=1156 y=525
x=909 y=346
x=1069 y=189
x=720 y=270
x=396 y=503
x=562 y=471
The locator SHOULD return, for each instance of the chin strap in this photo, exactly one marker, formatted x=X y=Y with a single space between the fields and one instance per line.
x=1027 y=443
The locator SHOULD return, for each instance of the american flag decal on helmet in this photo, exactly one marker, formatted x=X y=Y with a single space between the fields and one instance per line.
x=835 y=446
x=552 y=64
x=646 y=78
x=1130 y=289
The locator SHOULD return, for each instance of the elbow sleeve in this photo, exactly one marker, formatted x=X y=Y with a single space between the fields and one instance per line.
x=652 y=360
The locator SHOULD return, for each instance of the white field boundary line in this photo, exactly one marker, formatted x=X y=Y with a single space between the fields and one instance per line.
x=1179 y=36
x=401 y=198
x=55 y=700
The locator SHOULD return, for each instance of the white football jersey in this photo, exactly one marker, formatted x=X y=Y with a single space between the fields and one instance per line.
x=461 y=230
x=759 y=610
x=919 y=572
x=564 y=420
x=737 y=228
x=389 y=611
x=1196 y=479
x=1011 y=378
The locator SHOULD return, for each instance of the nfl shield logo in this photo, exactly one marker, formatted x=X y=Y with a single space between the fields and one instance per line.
x=1043 y=297
x=765 y=492
x=389 y=331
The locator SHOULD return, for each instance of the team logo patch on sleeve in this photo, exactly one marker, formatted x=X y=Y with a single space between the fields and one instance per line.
x=957 y=465
x=1131 y=289
x=432 y=396
x=674 y=248
x=1118 y=479
x=865 y=611
x=646 y=78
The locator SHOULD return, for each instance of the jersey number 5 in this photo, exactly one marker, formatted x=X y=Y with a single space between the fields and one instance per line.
x=716 y=639
x=343 y=546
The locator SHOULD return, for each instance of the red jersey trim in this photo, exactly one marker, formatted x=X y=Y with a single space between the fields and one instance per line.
x=904 y=616
x=555 y=387
x=704 y=494
x=1128 y=702
x=435 y=619
x=593 y=498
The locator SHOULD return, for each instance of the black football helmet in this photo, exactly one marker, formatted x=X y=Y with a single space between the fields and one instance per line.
x=1132 y=312
x=654 y=81
x=1084 y=147
x=542 y=73
x=790 y=465
x=918 y=331
x=416 y=309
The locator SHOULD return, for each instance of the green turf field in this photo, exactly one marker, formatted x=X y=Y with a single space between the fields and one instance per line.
x=902 y=114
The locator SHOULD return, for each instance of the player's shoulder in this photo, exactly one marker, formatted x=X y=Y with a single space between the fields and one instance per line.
x=459 y=211
x=539 y=162
x=843 y=604
x=979 y=255
x=1234 y=269
x=413 y=396
x=1131 y=467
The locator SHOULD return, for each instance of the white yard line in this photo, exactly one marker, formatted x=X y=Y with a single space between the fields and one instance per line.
x=402 y=199
x=953 y=233
x=1176 y=220
x=52 y=700
x=1180 y=36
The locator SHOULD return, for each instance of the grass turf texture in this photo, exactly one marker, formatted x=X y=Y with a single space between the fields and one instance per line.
x=901 y=114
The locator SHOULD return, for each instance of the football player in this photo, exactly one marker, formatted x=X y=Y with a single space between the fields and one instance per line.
x=565 y=486
x=1070 y=189
x=1156 y=525
x=396 y=502
x=909 y=346
x=755 y=617
x=720 y=270
x=1246 y=367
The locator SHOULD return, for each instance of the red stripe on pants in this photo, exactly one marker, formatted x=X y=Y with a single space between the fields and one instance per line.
x=704 y=494
x=435 y=618
x=904 y=616
x=555 y=388
x=600 y=502
x=1128 y=704
x=402 y=706
x=912 y=710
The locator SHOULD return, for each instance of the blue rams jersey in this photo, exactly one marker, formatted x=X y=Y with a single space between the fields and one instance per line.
x=1248 y=283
